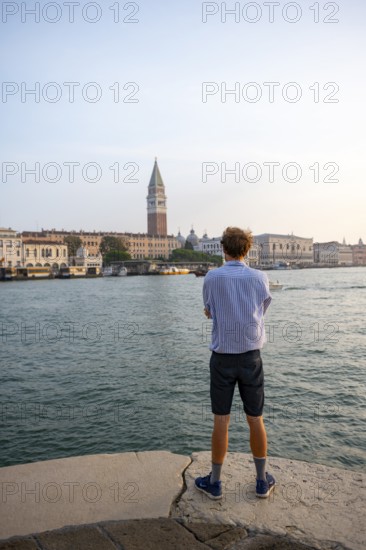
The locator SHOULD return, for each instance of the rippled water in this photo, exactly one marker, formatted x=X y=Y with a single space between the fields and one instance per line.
x=121 y=364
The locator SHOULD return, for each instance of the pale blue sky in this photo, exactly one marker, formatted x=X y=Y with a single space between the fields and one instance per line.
x=169 y=53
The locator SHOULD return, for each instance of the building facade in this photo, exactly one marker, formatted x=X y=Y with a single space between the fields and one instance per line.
x=359 y=253
x=274 y=249
x=156 y=204
x=10 y=248
x=210 y=246
x=44 y=254
x=333 y=253
x=139 y=245
x=83 y=258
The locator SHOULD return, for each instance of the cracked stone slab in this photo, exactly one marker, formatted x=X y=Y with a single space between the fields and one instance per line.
x=206 y=531
x=153 y=535
x=312 y=503
x=19 y=544
x=51 y=494
x=89 y=538
x=265 y=542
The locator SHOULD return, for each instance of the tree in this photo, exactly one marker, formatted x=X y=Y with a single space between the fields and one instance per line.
x=116 y=256
x=188 y=245
x=73 y=243
x=110 y=243
x=183 y=255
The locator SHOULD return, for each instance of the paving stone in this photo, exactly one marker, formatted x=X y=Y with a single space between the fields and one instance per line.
x=266 y=542
x=83 y=490
x=81 y=538
x=206 y=531
x=227 y=539
x=311 y=503
x=19 y=544
x=161 y=534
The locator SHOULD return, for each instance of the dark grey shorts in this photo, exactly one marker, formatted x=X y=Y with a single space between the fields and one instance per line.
x=246 y=369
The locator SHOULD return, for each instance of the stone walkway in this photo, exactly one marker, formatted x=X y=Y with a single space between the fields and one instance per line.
x=154 y=534
x=147 y=501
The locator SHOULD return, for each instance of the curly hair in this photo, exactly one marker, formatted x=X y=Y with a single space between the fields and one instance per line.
x=236 y=242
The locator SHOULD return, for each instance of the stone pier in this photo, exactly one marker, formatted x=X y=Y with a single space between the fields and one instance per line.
x=148 y=500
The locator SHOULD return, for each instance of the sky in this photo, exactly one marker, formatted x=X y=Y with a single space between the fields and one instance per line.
x=257 y=117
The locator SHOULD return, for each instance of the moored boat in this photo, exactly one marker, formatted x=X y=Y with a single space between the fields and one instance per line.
x=122 y=272
x=35 y=272
x=172 y=270
x=107 y=271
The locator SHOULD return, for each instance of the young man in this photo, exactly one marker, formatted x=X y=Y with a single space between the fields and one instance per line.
x=236 y=298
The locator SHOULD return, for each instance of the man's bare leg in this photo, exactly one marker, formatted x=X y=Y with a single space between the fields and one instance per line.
x=220 y=443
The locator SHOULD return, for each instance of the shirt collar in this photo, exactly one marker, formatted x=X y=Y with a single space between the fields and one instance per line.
x=234 y=262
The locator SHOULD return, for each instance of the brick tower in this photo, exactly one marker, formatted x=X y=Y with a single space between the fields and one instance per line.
x=156 y=204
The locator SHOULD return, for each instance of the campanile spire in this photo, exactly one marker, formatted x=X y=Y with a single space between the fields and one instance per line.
x=156 y=204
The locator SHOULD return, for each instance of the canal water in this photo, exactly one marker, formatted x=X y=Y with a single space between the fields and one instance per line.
x=114 y=364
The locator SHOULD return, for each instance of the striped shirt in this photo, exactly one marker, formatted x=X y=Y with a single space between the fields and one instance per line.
x=237 y=298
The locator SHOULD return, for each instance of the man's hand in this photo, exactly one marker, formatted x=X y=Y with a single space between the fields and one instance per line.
x=207 y=313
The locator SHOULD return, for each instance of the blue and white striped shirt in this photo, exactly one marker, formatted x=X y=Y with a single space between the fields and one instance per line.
x=237 y=298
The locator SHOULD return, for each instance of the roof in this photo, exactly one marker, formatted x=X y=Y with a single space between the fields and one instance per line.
x=33 y=241
x=277 y=235
x=7 y=230
x=156 y=180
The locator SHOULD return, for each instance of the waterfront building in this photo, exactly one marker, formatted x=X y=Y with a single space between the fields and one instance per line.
x=139 y=245
x=142 y=245
x=333 y=253
x=275 y=249
x=10 y=248
x=44 y=253
x=210 y=246
x=156 y=204
x=359 y=253
x=83 y=258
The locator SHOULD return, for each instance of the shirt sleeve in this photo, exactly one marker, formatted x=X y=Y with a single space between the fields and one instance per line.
x=268 y=298
x=205 y=294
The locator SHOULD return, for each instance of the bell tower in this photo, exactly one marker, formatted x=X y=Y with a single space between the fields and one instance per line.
x=156 y=204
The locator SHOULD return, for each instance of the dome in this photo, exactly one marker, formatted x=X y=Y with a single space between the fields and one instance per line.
x=181 y=239
x=82 y=252
x=192 y=238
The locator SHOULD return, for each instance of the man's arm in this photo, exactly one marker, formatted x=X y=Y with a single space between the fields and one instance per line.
x=268 y=298
x=206 y=303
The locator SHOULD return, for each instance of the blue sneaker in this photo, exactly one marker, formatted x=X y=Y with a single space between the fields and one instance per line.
x=264 y=488
x=212 y=490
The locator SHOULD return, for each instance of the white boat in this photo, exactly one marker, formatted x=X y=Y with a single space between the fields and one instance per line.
x=107 y=271
x=122 y=272
x=275 y=285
